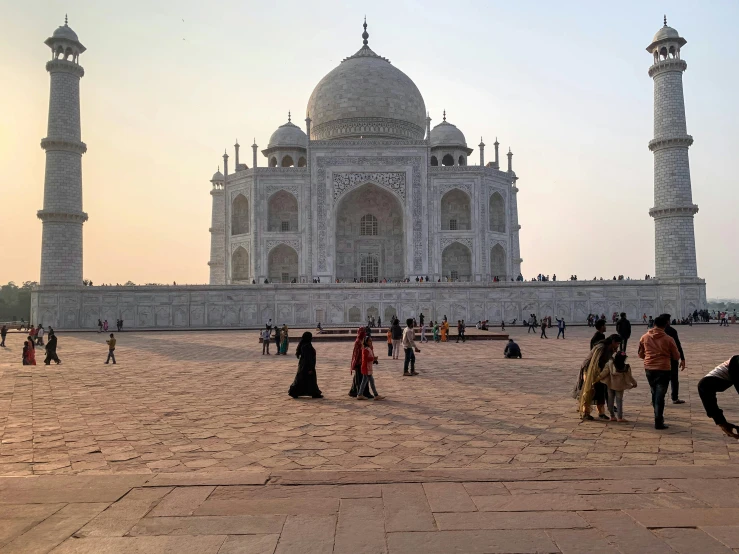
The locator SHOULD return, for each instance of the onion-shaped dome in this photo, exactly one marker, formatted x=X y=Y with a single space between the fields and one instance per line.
x=366 y=96
x=446 y=134
x=65 y=31
x=217 y=177
x=288 y=135
x=666 y=34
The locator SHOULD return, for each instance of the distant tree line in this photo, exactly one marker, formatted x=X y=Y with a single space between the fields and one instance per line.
x=15 y=301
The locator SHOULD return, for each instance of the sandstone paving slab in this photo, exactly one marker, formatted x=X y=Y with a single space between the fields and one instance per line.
x=67 y=488
x=616 y=501
x=406 y=508
x=55 y=529
x=209 y=525
x=472 y=542
x=294 y=505
x=307 y=535
x=722 y=493
x=182 y=501
x=248 y=477
x=627 y=536
x=360 y=528
x=118 y=519
x=28 y=511
x=726 y=534
x=581 y=541
x=249 y=544
x=532 y=503
x=238 y=492
x=635 y=486
x=690 y=541
x=448 y=497
x=509 y=520
x=142 y=545
x=685 y=517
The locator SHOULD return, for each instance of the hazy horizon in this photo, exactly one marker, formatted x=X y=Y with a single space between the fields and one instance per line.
x=169 y=85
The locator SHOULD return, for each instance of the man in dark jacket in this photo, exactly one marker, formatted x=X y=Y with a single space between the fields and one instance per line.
x=623 y=328
x=51 y=350
x=674 y=364
x=396 y=334
x=512 y=350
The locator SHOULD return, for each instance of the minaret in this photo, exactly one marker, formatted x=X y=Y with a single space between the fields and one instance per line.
x=673 y=211
x=62 y=216
x=496 y=163
x=482 y=152
x=236 y=161
x=217 y=232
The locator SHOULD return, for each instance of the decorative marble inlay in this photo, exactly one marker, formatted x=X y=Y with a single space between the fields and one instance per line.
x=394 y=181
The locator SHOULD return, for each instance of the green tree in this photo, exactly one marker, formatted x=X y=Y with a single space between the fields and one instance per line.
x=15 y=301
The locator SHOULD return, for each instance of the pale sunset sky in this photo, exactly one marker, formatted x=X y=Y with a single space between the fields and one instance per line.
x=169 y=84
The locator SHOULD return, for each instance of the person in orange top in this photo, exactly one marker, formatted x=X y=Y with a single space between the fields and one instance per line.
x=389 y=342
x=658 y=349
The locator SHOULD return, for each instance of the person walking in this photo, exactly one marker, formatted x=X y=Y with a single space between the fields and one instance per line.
x=600 y=333
x=100 y=325
x=444 y=330
x=51 y=350
x=111 y=349
x=532 y=324
x=284 y=340
x=389 y=342
x=588 y=389
x=623 y=328
x=356 y=363
x=278 y=338
x=306 y=381
x=3 y=334
x=719 y=379
x=675 y=366
x=105 y=325
x=40 y=335
x=409 y=346
x=561 y=326
x=543 y=329
x=502 y=324
x=396 y=332
x=368 y=360
x=265 y=341
x=657 y=349
x=437 y=335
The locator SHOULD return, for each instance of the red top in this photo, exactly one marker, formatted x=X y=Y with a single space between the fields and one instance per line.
x=368 y=358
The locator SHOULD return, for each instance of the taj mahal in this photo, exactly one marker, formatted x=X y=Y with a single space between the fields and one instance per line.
x=336 y=218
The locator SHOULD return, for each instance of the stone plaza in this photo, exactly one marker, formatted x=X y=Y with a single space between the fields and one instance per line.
x=191 y=442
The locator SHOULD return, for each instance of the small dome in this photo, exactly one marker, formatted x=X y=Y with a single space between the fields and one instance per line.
x=65 y=31
x=446 y=134
x=288 y=135
x=666 y=33
x=217 y=177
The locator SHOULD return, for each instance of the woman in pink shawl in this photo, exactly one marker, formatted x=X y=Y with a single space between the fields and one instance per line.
x=31 y=352
x=356 y=364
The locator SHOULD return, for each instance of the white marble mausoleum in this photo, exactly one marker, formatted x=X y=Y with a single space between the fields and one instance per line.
x=326 y=221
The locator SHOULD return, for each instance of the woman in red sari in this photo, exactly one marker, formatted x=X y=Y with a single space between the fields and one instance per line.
x=356 y=364
x=30 y=352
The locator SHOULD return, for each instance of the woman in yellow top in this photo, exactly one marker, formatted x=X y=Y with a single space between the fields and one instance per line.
x=444 y=331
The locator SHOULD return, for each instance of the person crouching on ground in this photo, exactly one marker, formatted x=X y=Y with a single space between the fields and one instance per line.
x=719 y=379
x=512 y=350
x=590 y=370
x=617 y=376
x=368 y=360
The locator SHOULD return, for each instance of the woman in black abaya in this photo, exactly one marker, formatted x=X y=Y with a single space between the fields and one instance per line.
x=305 y=383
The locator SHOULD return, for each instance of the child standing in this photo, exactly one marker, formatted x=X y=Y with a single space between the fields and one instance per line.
x=368 y=360
x=389 y=342
x=617 y=375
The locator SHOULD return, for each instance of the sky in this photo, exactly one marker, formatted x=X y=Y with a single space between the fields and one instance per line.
x=170 y=84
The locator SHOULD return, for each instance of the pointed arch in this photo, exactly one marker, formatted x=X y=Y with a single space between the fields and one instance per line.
x=273 y=162
x=240 y=215
x=369 y=228
x=434 y=161
x=282 y=213
x=497 y=213
x=456 y=214
x=301 y=162
x=240 y=264
x=447 y=160
x=498 y=265
x=287 y=161
x=282 y=264
x=456 y=262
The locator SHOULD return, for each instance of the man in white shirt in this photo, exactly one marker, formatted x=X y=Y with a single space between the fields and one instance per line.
x=40 y=335
x=409 y=345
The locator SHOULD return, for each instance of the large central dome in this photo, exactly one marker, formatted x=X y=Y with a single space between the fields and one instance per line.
x=366 y=96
